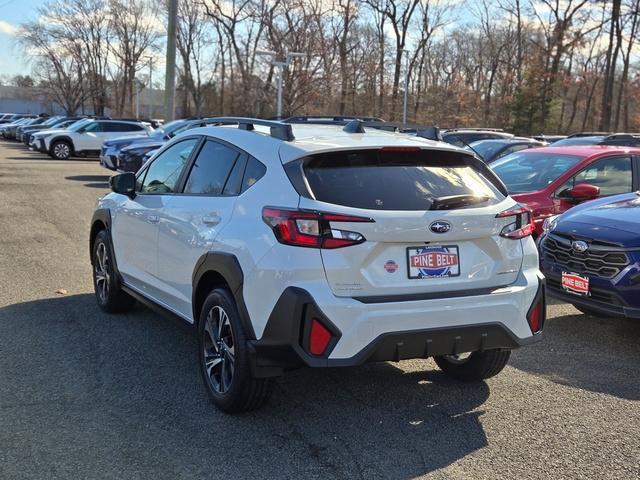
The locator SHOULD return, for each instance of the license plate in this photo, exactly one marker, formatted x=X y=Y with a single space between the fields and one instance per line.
x=433 y=262
x=574 y=283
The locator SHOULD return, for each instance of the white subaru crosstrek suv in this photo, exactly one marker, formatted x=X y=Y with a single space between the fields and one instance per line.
x=86 y=138
x=320 y=246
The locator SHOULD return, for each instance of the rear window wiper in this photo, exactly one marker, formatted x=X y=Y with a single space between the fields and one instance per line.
x=456 y=201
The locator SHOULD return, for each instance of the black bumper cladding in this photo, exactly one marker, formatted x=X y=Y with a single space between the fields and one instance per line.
x=282 y=346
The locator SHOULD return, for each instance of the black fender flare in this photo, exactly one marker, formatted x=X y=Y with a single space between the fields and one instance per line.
x=64 y=138
x=100 y=216
x=227 y=266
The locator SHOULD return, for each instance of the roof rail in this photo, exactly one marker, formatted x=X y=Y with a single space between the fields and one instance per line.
x=279 y=130
x=475 y=129
x=430 y=133
x=589 y=134
x=329 y=119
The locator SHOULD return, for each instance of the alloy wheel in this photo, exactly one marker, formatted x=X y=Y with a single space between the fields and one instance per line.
x=61 y=150
x=101 y=272
x=219 y=349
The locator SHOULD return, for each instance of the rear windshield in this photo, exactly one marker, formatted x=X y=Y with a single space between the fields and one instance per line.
x=393 y=179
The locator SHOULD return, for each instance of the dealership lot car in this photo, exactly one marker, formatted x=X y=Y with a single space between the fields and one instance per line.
x=551 y=180
x=314 y=246
x=111 y=149
x=591 y=256
x=86 y=138
x=492 y=150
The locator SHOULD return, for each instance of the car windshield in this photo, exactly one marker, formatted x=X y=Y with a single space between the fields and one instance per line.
x=52 y=121
x=485 y=148
x=578 y=141
x=79 y=124
x=524 y=172
x=170 y=127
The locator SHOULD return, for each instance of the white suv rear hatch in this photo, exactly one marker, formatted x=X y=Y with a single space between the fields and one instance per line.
x=435 y=224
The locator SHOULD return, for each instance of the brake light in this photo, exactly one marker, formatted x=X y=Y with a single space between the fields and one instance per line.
x=522 y=225
x=319 y=338
x=303 y=228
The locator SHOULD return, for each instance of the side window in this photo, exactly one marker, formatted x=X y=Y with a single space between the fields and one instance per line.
x=94 y=127
x=254 y=172
x=612 y=175
x=211 y=169
x=163 y=173
x=121 y=127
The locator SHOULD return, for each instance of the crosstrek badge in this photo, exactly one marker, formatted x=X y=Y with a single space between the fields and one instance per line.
x=426 y=262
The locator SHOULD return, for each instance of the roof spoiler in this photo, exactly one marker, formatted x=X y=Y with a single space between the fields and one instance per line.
x=358 y=126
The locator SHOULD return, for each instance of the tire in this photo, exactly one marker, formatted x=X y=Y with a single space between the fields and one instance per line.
x=477 y=366
x=109 y=294
x=223 y=356
x=61 y=150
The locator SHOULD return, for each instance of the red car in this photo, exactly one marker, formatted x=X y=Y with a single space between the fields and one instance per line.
x=551 y=180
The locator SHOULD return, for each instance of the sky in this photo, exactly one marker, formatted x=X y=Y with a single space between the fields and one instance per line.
x=12 y=14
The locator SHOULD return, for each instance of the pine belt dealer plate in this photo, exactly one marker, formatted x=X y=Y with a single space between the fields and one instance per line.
x=433 y=262
x=574 y=283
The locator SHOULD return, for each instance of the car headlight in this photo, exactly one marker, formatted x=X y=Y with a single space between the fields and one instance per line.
x=549 y=223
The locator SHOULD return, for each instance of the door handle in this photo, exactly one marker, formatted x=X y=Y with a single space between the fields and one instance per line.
x=212 y=219
x=153 y=219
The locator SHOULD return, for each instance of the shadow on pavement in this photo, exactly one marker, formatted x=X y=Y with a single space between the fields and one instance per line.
x=95 y=181
x=596 y=354
x=117 y=394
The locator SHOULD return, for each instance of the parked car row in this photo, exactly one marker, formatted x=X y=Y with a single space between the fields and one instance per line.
x=548 y=174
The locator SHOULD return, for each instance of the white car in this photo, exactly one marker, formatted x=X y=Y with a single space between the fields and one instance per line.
x=85 y=137
x=318 y=246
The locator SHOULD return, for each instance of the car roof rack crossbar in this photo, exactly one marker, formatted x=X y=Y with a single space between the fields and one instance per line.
x=279 y=130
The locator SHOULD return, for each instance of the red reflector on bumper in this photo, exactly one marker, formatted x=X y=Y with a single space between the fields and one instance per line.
x=319 y=338
x=536 y=317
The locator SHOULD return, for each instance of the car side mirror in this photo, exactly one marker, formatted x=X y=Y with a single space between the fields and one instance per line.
x=124 y=184
x=584 y=191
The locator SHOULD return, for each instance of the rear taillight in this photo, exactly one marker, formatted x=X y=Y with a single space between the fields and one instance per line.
x=310 y=229
x=522 y=224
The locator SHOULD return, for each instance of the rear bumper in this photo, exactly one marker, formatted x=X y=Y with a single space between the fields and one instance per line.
x=479 y=325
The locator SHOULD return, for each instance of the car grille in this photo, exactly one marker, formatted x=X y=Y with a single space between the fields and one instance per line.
x=601 y=260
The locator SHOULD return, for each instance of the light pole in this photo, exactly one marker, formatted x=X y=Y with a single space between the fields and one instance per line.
x=150 y=96
x=406 y=88
x=280 y=66
x=170 y=73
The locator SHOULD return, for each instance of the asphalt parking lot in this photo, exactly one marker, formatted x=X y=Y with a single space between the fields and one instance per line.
x=88 y=395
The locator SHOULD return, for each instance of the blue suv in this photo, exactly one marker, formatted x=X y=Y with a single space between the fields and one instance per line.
x=591 y=256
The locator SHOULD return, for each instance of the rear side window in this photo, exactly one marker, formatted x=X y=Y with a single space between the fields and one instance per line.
x=254 y=172
x=392 y=179
x=124 y=127
x=211 y=169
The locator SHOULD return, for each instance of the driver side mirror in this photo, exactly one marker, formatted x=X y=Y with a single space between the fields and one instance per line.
x=124 y=184
x=584 y=191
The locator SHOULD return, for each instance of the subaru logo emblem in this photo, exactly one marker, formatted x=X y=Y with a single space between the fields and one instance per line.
x=440 y=226
x=579 y=246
